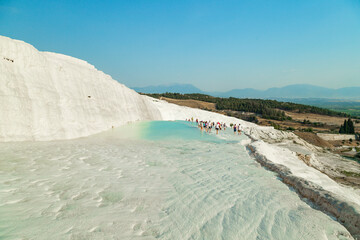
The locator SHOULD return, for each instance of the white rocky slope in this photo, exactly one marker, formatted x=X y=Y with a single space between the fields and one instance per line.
x=277 y=151
x=48 y=96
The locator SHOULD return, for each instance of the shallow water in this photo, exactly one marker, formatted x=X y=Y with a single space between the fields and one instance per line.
x=165 y=180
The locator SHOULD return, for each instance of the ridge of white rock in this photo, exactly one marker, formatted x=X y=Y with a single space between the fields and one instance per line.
x=49 y=96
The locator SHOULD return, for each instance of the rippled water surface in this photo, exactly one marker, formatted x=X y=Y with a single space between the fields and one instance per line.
x=151 y=180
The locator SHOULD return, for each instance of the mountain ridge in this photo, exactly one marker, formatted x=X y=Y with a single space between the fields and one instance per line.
x=181 y=88
x=289 y=91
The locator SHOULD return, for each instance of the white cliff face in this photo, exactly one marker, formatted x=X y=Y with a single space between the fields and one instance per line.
x=48 y=96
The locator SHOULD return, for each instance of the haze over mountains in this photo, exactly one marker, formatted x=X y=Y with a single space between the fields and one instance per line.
x=176 y=87
x=290 y=91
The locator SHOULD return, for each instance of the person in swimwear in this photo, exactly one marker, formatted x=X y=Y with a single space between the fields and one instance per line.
x=217 y=127
x=239 y=130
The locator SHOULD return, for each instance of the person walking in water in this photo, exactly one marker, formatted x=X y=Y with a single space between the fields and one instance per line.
x=217 y=127
x=234 y=128
x=239 y=130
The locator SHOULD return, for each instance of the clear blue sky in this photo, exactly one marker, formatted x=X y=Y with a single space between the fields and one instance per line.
x=216 y=45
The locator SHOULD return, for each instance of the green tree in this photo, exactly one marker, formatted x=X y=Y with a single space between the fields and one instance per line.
x=347 y=127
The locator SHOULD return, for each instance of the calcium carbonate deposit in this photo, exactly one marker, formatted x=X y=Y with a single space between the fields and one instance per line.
x=47 y=96
x=165 y=180
x=150 y=179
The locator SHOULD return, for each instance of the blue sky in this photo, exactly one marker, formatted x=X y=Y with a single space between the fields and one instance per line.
x=216 y=45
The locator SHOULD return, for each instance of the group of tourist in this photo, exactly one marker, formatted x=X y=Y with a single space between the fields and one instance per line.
x=218 y=126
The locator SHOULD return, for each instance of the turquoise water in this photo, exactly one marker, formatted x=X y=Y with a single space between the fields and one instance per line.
x=178 y=130
x=152 y=180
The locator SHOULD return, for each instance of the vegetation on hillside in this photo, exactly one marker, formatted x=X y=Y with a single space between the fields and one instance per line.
x=347 y=127
x=269 y=109
x=250 y=105
x=353 y=111
x=351 y=107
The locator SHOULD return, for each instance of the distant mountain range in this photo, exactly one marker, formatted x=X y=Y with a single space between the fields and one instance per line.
x=288 y=92
x=174 y=88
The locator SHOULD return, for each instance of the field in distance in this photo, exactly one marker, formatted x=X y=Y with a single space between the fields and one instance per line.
x=351 y=107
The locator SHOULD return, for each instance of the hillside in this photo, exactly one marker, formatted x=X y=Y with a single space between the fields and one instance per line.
x=46 y=96
x=351 y=107
x=270 y=109
x=191 y=103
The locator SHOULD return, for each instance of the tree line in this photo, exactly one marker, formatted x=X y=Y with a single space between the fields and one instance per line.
x=249 y=105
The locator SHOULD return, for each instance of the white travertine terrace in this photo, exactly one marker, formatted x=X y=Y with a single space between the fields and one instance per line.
x=47 y=96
